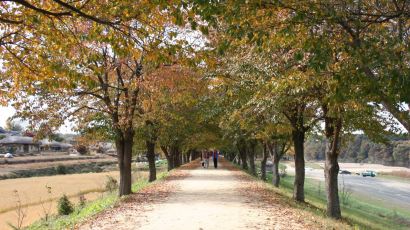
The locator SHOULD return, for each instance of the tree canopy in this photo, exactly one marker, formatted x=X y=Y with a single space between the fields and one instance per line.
x=185 y=76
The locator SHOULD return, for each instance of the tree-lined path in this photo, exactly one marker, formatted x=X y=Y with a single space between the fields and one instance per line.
x=197 y=198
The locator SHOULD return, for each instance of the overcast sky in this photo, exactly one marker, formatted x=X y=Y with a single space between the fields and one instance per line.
x=6 y=112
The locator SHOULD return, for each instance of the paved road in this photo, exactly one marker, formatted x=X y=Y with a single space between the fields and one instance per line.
x=390 y=192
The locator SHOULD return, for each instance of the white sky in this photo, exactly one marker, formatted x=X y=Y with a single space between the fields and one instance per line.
x=6 y=112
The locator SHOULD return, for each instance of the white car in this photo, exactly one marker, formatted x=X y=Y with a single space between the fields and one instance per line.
x=8 y=155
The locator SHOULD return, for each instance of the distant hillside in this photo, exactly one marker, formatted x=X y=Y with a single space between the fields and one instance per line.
x=361 y=149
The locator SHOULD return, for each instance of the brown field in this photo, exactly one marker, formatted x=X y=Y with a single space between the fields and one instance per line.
x=33 y=193
x=401 y=174
x=49 y=161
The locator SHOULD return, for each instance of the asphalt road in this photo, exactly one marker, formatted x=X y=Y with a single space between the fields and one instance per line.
x=392 y=193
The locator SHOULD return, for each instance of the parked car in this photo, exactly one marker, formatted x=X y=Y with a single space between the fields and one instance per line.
x=368 y=173
x=344 y=172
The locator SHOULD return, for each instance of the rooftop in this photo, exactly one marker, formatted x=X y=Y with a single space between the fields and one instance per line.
x=18 y=140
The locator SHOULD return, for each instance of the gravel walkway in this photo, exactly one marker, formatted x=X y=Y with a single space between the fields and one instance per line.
x=197 y=198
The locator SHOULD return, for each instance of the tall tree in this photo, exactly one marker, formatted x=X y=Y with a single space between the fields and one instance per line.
x=175 y=92
x=374 y=36
x=90 y=73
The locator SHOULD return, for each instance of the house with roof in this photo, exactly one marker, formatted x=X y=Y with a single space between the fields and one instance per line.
x=20 y=144
x=5 y=133
x=55 y=146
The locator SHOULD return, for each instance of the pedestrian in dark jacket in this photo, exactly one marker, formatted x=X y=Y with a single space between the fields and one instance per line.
x=215 y=156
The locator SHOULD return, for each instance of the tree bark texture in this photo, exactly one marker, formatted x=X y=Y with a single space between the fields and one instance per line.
x=333 y=128
x=251 y=154
x=263 y=162
x=151 y=160
x=298 y=137
x=124 y=143
x=242 y=153
x=170 y=160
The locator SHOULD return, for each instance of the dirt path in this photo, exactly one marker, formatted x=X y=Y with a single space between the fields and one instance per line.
x=221 y=198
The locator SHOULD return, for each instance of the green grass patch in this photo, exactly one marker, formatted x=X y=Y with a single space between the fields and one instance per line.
x=92 y=208
x=313 y=165
x=363 y=214
x=360 y=212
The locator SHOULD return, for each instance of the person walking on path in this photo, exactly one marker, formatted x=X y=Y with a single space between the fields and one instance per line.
x=206 y=159
x=215 y=156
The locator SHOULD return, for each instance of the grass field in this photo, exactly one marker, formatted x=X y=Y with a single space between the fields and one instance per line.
x=33 y=194
x=308 y=164
x=397 y=175
x=361 y=212
x=90 y=209
x=40 y=162
x=36 y=201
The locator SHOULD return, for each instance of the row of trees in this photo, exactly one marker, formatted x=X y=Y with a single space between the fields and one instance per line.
x=266 y=74
x=359 y=148
x=121 y=70
x=289 y=68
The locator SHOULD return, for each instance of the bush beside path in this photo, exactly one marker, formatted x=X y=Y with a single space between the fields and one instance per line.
x=197 y=198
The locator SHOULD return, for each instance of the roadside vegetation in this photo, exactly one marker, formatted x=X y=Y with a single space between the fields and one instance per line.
x=41 y=202
x=360 y=212
x=83 y=212
x=359 y=148
x=398 y=175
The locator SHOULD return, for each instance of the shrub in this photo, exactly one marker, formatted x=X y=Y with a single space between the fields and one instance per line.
x=64 y=206
x=61 y=169
x=111 y=184
x=82 y=149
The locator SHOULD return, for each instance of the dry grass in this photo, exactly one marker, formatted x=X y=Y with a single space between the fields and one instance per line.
x=405 y=174
x=9 y=168
x=401 y=173
x=33 y=192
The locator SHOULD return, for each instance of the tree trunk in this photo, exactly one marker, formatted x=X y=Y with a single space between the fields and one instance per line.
x=176 y=155
x=150 y=144
x=170 y=160
x=298 y=137
x=242 y=154
x=151 y=160
x=275 y=171
x=251 y=153
x=263 y=162
x=124 y=145
x=189 y=155
x=332 y=129
x=231 y=156
x=276 y=155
